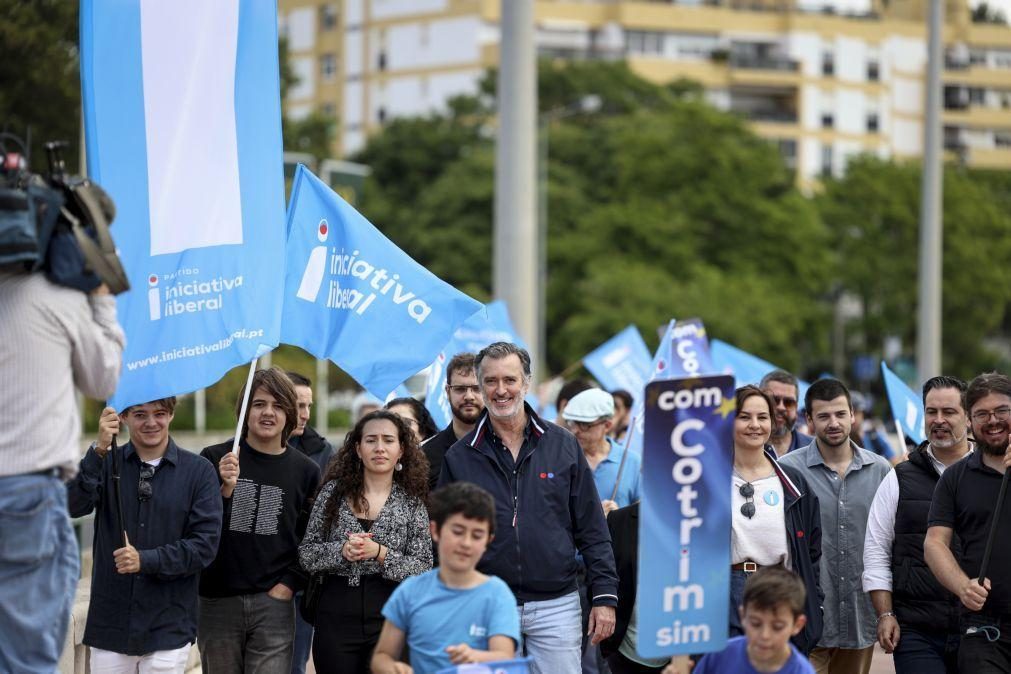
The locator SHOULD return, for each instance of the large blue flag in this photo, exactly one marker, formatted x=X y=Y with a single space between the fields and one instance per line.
x=621 y=362
x=352 y=296
x=182 y=117
x=907 y=407
x=660 y=368
x=684 y=524
x=746 y=368
x=483 y=328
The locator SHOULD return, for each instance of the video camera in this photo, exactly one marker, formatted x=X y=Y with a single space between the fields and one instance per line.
x=59 y=224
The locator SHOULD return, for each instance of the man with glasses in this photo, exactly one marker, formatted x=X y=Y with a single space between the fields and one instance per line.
x=143 y=609
x=845 y=478
x=782 y=386
x=465 y=403
x=917 y=617
x=963 y=508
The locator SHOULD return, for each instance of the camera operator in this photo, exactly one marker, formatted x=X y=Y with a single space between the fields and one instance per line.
x=52 y=339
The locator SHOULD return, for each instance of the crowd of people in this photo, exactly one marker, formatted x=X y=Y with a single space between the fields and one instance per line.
x=410 y=548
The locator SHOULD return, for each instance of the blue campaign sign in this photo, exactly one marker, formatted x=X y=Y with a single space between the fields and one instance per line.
x=183 y=132
x=621 y=362
x=684 y=526
x=483 y=328
x=690 y=349
x=907 y=407
x=746 y=368
x=659 y=369
x=352 y=296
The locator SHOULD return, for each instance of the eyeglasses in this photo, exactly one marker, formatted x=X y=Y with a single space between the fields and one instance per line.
x=460 y=389
x=1000 y=414
x=786 y=401
x=747 y=490
x=583 y=425
x=144 y=489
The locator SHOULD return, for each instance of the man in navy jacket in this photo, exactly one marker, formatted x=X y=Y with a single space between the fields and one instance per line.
x=547 y=509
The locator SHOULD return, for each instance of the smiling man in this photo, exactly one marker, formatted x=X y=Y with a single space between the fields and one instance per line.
x=845 y=478
x=465 y=403
x=143 y=609
x=546 y=510
x=782 y=386
x=247 y=617
x=917 y=618
x=963 y=507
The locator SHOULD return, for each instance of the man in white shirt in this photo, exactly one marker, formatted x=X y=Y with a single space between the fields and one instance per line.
x=917 y=617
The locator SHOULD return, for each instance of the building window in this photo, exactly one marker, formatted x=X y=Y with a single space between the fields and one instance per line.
x=827 y=64
x=644 y=42
x=873 y=71
x=872 y=122
x=977 y=96
x=381 y=115
x=382 y=61
x=327 y=67
x=827 y=120
x=1002 y=139
x=328 y=109
x=826 y=160
x=788 y=151
x=328 y=16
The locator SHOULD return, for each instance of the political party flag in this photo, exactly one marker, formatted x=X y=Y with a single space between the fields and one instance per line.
x=660 y=368
x=684 y=521
x=907 y=407
x=621 y=362
x=352 y=296
x=483 y=328
x=182 y=119
x=690 y=349
x=746 y=368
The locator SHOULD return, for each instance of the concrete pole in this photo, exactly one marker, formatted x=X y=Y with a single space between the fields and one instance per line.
x=928 y=333
x=516 y=256
x=200 y=411
x=322 y=397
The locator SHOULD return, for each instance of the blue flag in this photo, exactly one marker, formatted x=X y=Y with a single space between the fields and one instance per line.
x=684 y=525
x=182 y=120
x=352 y=296
x=690 y=349
x=746 y=368
x=483 y=328
x=621 y=362
x=907 y=407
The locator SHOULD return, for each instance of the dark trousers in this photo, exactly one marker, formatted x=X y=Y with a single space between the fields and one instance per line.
x=248 y=633
x=977 y=654
x=737 y=580
x=348 y=624
x=302 y=646
x=922 y=652
x=619 y=664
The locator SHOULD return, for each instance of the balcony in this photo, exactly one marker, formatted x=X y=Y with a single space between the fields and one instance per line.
x=762 y=70
x=760 y=62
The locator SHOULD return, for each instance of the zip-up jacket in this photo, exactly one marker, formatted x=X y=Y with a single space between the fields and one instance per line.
x=546 y=510
x=803 y=532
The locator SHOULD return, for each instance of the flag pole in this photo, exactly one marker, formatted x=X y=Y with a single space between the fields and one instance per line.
x=117 y=492
x=242 y=408
x=994 y=522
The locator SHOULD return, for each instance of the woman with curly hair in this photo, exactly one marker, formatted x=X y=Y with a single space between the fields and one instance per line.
x=368 y=531
x=418 y=418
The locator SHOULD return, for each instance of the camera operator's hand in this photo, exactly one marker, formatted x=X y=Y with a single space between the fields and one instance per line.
x=108 y=426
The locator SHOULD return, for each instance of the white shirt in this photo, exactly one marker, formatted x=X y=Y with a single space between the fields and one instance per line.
x=881 y=530
x=761 y=539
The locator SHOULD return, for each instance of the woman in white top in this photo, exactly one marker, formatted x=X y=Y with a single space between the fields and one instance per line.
x=775 y=521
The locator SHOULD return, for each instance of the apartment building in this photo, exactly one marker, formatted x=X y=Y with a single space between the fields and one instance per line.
x=820 y=83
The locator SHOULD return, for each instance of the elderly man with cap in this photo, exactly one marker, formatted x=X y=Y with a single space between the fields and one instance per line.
x=590 y=417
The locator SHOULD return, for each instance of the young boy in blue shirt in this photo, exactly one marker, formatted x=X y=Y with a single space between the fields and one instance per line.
x=772 y=612
x=453 y=614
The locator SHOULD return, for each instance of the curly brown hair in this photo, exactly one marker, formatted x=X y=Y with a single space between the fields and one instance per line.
x=349 y=472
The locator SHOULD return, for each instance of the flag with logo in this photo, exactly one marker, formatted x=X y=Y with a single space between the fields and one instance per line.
x=907 y=407
x=352 y=296
x=660 y=368
x=621 y=362
x=483 y=328
x=685 y=520
x=182 y=119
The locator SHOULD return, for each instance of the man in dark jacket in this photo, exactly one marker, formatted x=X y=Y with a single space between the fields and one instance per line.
x=547 y=510
x=783 y=388
x=143 y=609
x=917 y=616
x=464 y=396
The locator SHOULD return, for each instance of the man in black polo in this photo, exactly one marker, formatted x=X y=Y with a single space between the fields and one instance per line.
x=917 y=617
x=143 y=610
x=963 y=506
x=465 y=403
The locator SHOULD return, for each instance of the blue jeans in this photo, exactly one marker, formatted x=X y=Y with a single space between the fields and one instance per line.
x=920 y=652
x=39 y=569
x=552 y=634
x=737 y=581
x=303 y=639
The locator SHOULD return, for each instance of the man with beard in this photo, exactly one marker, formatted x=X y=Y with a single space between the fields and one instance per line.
x=782 y=386
x=963 y=507
x=845 y=478
x=465 y=403
x=917 y=617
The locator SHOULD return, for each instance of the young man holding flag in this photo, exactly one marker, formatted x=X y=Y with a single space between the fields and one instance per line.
x=143 y=608
x=247 y=617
